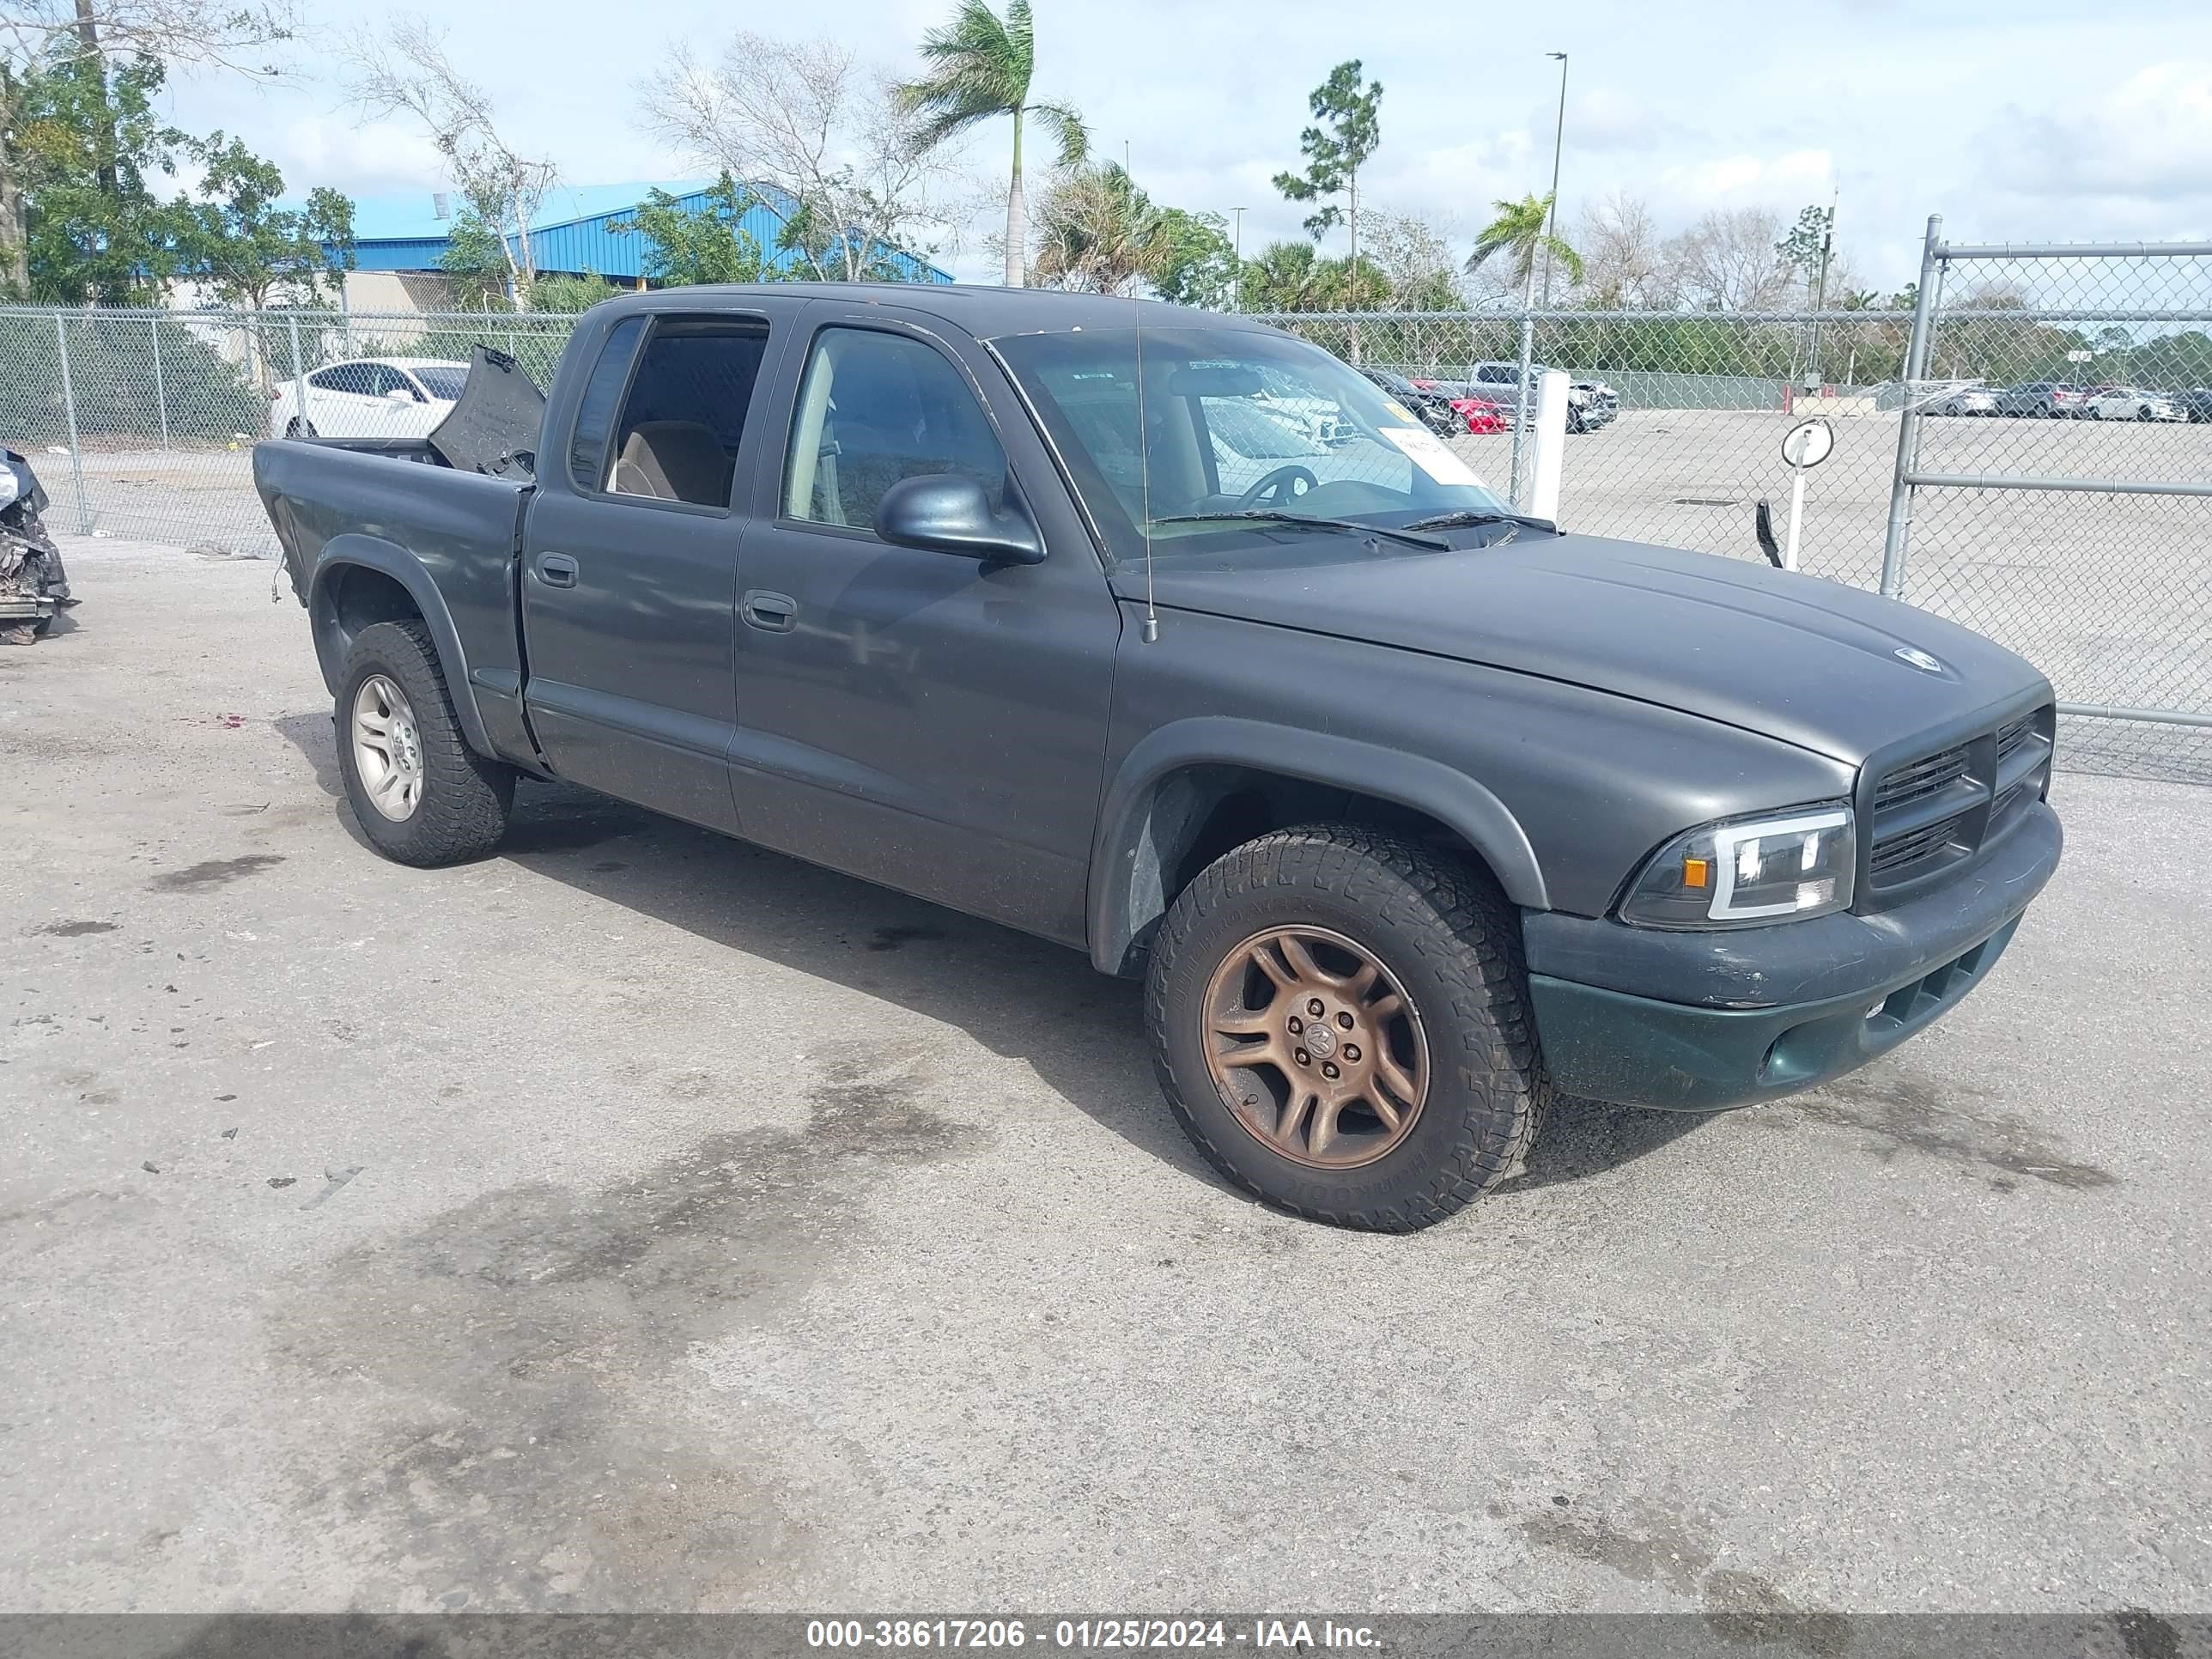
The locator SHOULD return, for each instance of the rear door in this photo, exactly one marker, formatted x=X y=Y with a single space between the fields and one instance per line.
x=630 y=564
x=920 y=719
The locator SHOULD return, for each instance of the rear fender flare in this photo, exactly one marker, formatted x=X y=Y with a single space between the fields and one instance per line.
x=1120 y=907
x=389 y=559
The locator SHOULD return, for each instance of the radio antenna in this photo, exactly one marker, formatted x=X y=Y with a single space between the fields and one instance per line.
x=1152 y=630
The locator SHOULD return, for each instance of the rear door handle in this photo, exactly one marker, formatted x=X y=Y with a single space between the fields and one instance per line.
x=557 y=571
x=773 y=612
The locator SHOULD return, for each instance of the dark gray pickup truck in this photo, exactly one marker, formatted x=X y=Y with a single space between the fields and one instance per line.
x=1174 y=639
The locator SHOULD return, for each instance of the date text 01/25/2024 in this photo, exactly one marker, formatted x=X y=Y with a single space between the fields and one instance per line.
x=1087 y=1634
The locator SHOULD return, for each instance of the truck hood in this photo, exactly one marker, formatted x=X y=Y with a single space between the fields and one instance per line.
x=1811 y=662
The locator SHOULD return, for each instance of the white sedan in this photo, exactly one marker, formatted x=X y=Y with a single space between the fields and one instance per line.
x=2120 y=403
x=367 y=398
x=1966 y=400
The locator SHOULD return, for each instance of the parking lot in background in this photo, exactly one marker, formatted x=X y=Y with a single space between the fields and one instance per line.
x=635 y=1219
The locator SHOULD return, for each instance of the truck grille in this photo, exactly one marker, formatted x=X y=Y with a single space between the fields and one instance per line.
x=1918 y=779
x=1932 y=811
x=1901 y=852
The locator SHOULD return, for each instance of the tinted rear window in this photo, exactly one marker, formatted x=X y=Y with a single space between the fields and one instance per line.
x=595 y=415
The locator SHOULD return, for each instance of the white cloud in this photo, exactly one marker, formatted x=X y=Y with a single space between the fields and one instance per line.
x=369 y=160
x=1777 y=181
x=2148 y=139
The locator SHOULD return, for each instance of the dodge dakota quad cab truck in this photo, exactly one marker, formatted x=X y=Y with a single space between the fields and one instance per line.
x=1174 y=639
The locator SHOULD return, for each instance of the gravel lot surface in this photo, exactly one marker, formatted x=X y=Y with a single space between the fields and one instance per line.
x=637 y=1221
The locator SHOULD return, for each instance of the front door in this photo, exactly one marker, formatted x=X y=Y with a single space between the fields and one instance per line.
x=630 y=566
x=920 y=719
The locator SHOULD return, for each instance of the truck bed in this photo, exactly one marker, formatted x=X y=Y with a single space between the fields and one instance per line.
x=464 y=528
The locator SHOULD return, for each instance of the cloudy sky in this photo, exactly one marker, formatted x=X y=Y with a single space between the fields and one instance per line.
x=2048 y=119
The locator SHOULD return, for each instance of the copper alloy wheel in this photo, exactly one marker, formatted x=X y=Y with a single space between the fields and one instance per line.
x=1317 y=1050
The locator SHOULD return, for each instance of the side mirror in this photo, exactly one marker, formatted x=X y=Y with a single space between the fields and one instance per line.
x=400 y=394
x=951 y=512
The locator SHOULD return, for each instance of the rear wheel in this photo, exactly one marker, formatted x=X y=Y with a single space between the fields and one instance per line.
x=420 y=794
x=296 y=428
x=1339 y=1021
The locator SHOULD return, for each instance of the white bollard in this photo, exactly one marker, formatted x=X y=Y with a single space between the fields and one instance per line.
x=1551 y=446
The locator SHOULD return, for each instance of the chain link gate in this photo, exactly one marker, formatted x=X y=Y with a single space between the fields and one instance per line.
x=2053 y=483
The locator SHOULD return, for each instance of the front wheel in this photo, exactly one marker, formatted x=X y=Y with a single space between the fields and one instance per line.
x=420 y=793
x=1339 y=1021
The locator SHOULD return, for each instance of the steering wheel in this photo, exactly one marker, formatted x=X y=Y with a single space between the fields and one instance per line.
x=1280 y=488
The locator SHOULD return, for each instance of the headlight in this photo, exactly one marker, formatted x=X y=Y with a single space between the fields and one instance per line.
x=1749 y=871
x=10 y=485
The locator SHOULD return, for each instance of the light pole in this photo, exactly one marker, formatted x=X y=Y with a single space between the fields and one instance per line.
x=1238 y=303
x=1552 y=209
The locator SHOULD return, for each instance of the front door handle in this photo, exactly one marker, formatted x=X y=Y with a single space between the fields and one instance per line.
x=775 y=613
x=557 y=571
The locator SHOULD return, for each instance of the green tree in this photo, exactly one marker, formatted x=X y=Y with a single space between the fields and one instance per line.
x=1294 y=276
x=1518 y=233
x=980 y=68
x=476 y=263
x=709 y=244
x=569 y=294
x=1335 y=152
x=248 y=246
x=82 y=39
x=1098 y=233
x=1198 y=266
x=1807 y=247
x=85 y=141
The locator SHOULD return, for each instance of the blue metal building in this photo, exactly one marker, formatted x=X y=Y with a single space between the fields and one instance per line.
x=572 y=232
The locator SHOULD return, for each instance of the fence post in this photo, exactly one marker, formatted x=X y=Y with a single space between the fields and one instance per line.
x=1521 y=403
x=299 y=377
x=68 y=403
x=1908 y=417
x=161 y=391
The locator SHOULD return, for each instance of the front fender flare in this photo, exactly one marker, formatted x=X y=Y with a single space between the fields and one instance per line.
x=1117 y=909
x=390 y=559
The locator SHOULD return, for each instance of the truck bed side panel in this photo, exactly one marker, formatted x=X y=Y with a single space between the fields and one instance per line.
x=449 y=538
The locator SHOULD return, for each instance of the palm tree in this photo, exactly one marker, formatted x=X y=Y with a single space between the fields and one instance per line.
x=1518 y=233
x=1099 y=233
x=979 y=69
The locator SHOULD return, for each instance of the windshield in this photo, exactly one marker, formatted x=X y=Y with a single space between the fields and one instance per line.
x=1235 y=419
x=443 y=381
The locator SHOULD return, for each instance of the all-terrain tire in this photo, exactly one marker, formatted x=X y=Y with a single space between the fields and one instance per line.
x=1451 y=940
x=463 y=808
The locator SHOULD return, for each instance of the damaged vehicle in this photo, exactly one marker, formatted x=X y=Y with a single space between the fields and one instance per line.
x=1411 y=811
x=33 y=586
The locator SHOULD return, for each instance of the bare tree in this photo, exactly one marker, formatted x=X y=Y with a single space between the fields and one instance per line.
x=1414 y=256
x=1728 y=261
x=406 y=71
x=819 y=134
x=1624 y=266
x=43 y=36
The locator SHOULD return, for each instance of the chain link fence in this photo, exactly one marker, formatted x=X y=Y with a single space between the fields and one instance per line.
x=2054 y=481
x=141 y=424
x=2028 y=454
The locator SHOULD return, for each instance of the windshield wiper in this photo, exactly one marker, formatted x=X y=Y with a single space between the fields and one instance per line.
x=1301 y=521
x=1468 y=519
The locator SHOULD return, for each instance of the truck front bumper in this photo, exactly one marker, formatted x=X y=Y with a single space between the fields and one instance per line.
x=1697 y=1021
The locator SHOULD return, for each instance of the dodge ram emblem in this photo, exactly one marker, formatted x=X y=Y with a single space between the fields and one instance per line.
x=1919 y=659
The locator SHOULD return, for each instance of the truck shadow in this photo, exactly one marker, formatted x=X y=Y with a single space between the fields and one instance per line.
x=1021 y=998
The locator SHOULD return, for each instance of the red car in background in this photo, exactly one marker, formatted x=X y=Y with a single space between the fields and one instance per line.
x=1480 y=414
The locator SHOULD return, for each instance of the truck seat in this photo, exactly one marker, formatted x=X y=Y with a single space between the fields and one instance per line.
x=674 y=461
